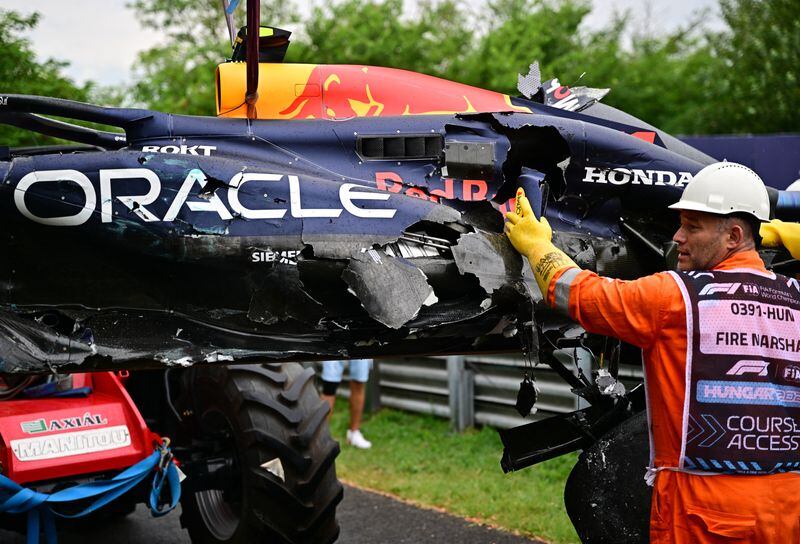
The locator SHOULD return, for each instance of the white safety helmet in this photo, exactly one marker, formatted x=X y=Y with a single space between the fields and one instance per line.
x=724 y=188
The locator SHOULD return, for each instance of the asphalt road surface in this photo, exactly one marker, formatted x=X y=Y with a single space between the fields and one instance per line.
x=365 y=518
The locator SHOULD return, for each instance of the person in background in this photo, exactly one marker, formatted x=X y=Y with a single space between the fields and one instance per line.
x=358 y=370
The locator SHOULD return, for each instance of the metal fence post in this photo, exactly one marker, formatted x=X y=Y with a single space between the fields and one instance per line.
x=461 y=386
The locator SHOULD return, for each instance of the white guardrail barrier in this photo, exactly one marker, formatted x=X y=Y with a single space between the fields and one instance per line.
x=472 y=390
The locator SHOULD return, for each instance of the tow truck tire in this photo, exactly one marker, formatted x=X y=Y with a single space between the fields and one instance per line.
x=268 y=412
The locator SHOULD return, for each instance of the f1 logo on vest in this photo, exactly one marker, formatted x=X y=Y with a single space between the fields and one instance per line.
x=748 y=367
x=713 y=288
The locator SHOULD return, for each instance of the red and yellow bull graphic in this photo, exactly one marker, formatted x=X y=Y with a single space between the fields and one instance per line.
x=331 y=91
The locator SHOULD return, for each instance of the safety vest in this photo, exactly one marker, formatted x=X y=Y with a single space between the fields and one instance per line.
x=741 y=411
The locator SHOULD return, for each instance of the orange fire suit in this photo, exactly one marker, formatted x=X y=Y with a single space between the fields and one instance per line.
x=687 y=508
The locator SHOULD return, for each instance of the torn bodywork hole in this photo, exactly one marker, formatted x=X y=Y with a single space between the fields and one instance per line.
x=211 y=186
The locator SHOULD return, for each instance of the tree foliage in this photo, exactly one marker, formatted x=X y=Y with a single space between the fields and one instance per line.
x=178 y=75
x=690 y=80
x=22 y=73
x=518 y=32
x=657 y=77
x=378 y=33
x=756 y=84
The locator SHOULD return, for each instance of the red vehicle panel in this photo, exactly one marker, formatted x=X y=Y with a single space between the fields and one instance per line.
x=50 y=438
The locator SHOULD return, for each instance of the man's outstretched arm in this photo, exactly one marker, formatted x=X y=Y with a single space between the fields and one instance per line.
x=630 y=310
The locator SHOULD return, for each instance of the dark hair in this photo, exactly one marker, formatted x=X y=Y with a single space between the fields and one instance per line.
x=752 y=224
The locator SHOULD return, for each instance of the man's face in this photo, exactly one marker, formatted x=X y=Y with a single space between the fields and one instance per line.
x=701 y=243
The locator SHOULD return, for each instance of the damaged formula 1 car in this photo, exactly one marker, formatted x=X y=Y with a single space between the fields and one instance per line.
x=328 y=212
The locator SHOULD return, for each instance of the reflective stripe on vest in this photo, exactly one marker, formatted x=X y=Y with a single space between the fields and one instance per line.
x=562 y=289
x=742 y=403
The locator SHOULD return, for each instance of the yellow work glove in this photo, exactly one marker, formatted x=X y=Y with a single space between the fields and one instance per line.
x=532 y=238
x=777 y=233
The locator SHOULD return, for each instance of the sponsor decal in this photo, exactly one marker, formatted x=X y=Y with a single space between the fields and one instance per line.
x=467 y=189
x=561 y=96
x=3 y=101
x=633 y=176
x=645 y=135
x=42 y=425
x=713 y=288
x=721 y=392
x=204 y=150
x=33 y=427
x=748 y=367
x=367 y=91
x=73 y=443
x=792 y=373
x=280 y=257
x=353 y=198
x=750 y=288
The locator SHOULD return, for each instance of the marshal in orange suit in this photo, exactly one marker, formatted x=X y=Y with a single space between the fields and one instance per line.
x=720 y=338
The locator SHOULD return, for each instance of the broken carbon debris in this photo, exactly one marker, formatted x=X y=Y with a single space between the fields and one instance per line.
x=391 y=290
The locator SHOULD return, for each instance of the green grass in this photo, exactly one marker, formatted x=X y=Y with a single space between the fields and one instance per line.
x=419 y=459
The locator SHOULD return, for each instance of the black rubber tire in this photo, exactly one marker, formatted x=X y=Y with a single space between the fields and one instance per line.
x=606 y=496
x=273 y=411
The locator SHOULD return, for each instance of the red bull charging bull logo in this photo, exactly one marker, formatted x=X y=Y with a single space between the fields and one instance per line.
x=307 y=91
